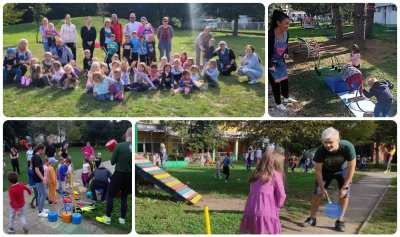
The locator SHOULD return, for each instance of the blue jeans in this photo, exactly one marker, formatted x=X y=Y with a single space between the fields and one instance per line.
x=164 y=46
x=8 y=75
x=252 y=74
x=382 y=110
x=21 y=216
x=46 y=46
x=103 y=97
x=41 y=195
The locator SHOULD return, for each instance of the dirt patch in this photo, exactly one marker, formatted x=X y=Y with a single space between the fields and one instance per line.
x=225 y=204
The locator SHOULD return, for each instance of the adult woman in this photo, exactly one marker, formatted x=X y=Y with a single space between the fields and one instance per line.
x=88 y=35
x=164 y=35
x=250 y=65
x=277 y=54
x=38 y=178
x=390 y=151
x=202 y=43
x=226 y=59
x=69 y=35
x=42 y=29
x=145 y=28
x=14 y=160
x=105 y=34
x=24 y=55
x=88 y=154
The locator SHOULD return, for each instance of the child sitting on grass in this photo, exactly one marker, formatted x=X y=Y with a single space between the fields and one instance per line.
x=194 y=70
x=182 y=58
x=47 y=64
x=163 y=62
x=69 y=78
x=210 y=73
x=167 y=79
x=58 y=73
x=177 y=70
x=38 y=78
x=125 y=72
x=155 y=75
x=89 y=83
x=17 y=202
x=141 y=81
x=100 y=88
x=384 y=98
x=189 y=62
x=267 y=195
x=116 y=88
x=185 y=83
x=73 y=65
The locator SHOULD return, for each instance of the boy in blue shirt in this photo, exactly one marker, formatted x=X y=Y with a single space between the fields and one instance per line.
x=135 y=46
x=226 y=163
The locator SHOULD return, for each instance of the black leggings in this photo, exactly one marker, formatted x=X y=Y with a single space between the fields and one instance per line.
x=15 y=165
x=73 y=49
x=278 y=89
x=119 y=182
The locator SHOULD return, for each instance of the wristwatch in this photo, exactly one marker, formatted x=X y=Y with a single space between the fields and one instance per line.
x=345 y=188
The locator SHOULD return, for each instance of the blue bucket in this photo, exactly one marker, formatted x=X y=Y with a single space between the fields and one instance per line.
x=76 y=218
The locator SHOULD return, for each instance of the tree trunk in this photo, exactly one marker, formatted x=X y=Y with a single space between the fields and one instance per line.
x=337 y=21
x=377 y=144
x=370 y=20
x=359 y=25
x=235 y=25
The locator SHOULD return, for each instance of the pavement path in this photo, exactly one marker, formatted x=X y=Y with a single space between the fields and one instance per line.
x=364 y=196
x=38 y=225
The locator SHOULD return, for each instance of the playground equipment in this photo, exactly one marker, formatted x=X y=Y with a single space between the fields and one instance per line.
x=332 y=210
x=311 y=46
x=76 y=217
x=309 y=23
x=165 y=181
x=176 y=164
x=334 y=62
x=207 y=220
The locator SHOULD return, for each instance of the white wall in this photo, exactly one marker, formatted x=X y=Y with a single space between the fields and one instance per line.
x=385 y=17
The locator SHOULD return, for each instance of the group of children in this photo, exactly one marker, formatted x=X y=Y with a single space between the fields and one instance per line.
x=379 y=89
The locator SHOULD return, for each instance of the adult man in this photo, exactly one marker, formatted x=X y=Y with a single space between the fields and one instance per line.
x=61 y=53
x=121 y=179
x=132 y=25
x=50 y=149
x=334 y=159
x=116 y=28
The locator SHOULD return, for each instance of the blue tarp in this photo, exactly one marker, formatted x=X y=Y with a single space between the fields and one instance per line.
x=337 y=85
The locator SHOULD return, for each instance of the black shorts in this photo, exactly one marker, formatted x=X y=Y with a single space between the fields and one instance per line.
x=328 y=176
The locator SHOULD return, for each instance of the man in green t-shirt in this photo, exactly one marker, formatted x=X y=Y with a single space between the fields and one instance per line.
x=121 y=180
x=334 y=159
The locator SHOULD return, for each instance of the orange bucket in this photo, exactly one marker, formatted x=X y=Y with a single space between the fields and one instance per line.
x=66 y=217
x=111 y=145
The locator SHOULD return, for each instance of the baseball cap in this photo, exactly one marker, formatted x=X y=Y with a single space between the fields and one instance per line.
x=11 y=51
x=53 y=160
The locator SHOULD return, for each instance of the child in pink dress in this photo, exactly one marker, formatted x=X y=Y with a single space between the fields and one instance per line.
x=267 y=195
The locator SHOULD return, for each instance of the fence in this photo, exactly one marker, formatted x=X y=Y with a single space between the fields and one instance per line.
x=228 y=26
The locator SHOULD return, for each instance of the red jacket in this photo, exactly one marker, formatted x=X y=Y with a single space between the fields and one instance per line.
x=117 y=31
x=16 y=194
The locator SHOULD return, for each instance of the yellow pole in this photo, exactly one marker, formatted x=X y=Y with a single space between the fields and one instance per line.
x=72 y=186
x=207 y=220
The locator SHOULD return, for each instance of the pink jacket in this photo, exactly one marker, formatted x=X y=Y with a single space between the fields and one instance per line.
x=88 y=152
x=142 y=30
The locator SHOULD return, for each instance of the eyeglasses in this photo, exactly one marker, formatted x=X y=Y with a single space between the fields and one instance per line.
x=132 y=17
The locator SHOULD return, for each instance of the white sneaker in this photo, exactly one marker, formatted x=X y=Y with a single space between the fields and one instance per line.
x=46 y=210
x=121 y=221
x=281 y=107
x=289 y=100
x=43 y=214
x=253 y=82
x=112 y=98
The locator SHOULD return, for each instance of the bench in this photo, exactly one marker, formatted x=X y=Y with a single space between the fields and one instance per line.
x=312 y=47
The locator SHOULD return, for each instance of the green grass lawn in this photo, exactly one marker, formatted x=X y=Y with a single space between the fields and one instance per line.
x=378 y=60
x=384 y=220
x=233 y=97
x=75 y=153
x=156 y=212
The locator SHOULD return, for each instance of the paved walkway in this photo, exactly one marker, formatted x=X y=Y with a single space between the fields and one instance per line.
x=38 y=225
x=364 y=196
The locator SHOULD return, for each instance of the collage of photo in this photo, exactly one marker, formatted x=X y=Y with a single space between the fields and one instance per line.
x=179 y=90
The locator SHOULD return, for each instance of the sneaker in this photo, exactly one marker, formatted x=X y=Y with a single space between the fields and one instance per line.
x=104 y=219
x=25 y=230
x=310 y=222
x=11 y=230
x=339 y=226
x=43 y=214
x=46 y=210
x=253 y=82
x=289 y=100
x=121 y=221
x=281 y=107
x=111 y=98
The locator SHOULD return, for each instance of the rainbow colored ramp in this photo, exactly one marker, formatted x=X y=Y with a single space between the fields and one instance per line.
x=165 y=181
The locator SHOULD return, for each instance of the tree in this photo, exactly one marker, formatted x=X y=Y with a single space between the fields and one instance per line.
x=337 y=21
x=39 y=10
x=11 y=14
x=359 y=25
x=385 y=132
x=370 y=20
x=102 y=10
x=312 y=9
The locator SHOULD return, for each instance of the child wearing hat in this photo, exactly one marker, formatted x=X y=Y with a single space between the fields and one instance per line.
x=52 y=180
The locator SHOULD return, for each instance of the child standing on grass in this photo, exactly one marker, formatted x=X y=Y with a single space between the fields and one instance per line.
x=32 y=185
x=355 y=56
x=85 y=172
x=143 y=50
x=127 y=49
x=151 y=50
x=209 y=53
x=218 y=168
x=52 y=181
x=226 y=164
x=267 y=195
x=384 y=98
x=112 y=47
x=51 y=34
x=17 y=202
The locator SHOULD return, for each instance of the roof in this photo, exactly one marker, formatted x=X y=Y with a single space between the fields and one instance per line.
x=384 y=4
x=147 y=127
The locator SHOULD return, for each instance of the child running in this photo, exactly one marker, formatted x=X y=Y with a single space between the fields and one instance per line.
x=226 y=163
x=267 y=195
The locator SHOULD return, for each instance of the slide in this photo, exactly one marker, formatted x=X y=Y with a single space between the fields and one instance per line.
x=165 y=181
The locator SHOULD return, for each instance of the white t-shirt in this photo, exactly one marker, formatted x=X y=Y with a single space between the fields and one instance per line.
x=131 y=27
x=258 y=153
x=85 y=168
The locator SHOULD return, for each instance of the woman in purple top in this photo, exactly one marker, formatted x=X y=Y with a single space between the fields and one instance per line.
x=164 y=35
x=267 y=195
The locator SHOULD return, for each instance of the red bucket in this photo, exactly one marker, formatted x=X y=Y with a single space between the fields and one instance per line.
x=111 y=145
x=97 y=45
